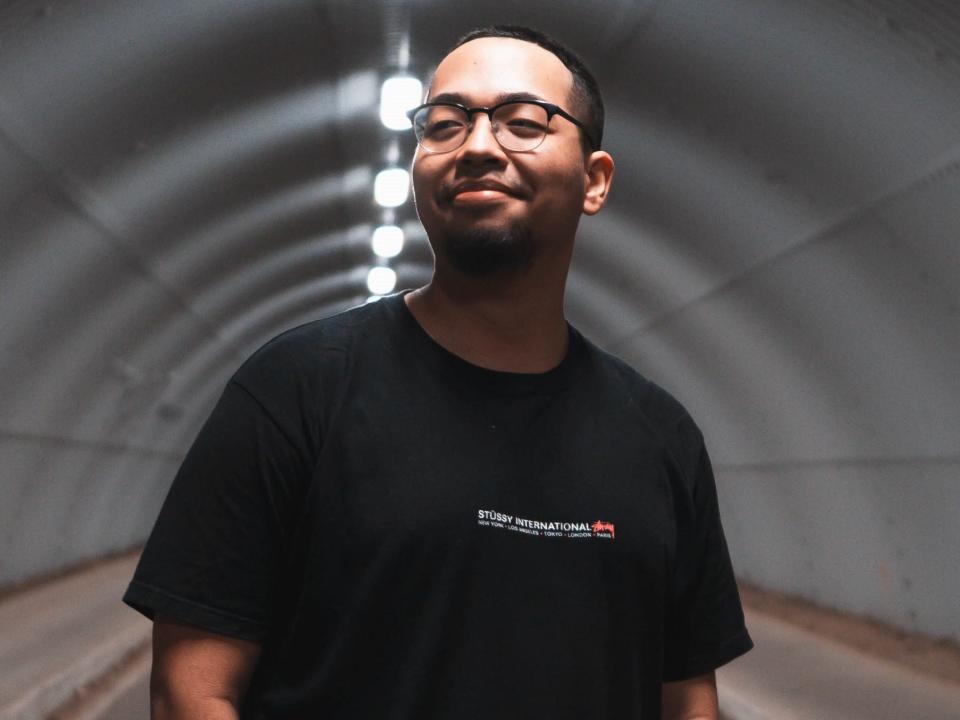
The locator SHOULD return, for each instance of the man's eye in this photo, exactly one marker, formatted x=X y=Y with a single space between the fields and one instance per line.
x=519 y=126
x=526 y=123
x=443 y=127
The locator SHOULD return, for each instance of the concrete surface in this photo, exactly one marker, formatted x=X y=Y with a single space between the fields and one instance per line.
x=61 y=635
x=793 y=674
x=125 y=695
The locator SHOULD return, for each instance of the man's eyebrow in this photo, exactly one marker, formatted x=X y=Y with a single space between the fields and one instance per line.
x=501 y=98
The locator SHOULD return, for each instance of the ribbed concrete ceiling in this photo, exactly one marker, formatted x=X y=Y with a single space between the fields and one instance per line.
x=179 y=181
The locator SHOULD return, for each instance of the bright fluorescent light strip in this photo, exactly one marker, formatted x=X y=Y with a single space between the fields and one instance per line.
x=387 y=241
x=397 y=95
x=381 y=280
x=390 y=187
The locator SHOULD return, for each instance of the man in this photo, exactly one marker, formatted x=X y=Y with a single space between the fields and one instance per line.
x=448 y=504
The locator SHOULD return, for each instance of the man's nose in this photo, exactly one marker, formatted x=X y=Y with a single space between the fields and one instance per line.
x=480 y=141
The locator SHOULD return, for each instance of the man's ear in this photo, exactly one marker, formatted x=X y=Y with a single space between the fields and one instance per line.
x=599 y=175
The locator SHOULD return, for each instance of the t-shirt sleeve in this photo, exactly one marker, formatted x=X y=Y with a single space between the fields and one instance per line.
x=216 y=552
x=705 y=624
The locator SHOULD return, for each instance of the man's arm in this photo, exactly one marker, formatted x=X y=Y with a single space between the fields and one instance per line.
x=693 y=699
x=198 y=674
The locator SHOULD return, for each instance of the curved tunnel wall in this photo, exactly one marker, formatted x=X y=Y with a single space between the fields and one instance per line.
x=181 y=181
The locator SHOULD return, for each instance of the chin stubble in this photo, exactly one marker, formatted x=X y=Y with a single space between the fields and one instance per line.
x=482 y=251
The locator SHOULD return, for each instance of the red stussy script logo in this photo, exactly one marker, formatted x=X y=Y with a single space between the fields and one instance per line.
x=602 y=527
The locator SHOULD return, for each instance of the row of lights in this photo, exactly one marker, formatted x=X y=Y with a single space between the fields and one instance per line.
x=391 y=187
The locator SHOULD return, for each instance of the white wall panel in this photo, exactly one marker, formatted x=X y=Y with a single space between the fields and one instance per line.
x=876 y=538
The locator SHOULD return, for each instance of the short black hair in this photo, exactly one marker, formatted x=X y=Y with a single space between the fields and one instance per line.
x=586 y=91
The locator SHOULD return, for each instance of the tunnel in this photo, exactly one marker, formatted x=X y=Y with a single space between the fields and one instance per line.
x=181 y=181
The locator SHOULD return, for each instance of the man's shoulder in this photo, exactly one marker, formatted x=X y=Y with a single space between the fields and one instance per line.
x=641 y=389
x=334 y=332
x=313 y=348
x=664 y=414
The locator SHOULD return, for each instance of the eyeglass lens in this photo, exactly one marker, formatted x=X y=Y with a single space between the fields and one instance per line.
x=517 y=126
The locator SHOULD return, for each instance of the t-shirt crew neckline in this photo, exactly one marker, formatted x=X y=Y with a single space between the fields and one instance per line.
x=496 y=381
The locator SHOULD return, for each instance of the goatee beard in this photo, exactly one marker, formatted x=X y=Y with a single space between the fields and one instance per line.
x=483 y=251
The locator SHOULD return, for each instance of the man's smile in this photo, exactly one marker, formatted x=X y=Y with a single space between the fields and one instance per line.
x=479 y=197
x=479 y=192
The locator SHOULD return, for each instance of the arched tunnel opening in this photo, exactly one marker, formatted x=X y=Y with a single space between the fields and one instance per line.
x=780 y=251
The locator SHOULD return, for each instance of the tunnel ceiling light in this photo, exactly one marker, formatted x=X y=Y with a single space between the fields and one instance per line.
x=390 y=187
x=397 y=95
x=387 y=241
x=381 y=280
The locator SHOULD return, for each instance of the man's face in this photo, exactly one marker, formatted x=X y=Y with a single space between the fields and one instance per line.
x=485 y=208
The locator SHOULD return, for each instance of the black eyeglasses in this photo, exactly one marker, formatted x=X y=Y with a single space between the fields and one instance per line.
x=518 y=125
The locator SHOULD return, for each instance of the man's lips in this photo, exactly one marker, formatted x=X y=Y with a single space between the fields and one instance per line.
x=478 y=197
x=479 y=191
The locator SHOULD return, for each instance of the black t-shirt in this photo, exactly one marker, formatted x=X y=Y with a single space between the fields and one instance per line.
x=412 y=536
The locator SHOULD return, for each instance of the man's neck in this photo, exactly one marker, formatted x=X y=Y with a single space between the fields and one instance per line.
x=506 y=322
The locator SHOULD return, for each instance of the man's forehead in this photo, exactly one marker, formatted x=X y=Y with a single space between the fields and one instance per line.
x=501 y=66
